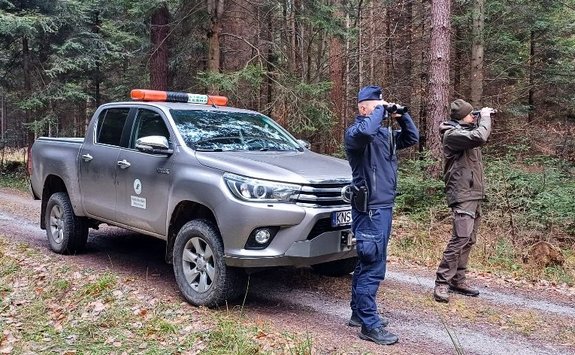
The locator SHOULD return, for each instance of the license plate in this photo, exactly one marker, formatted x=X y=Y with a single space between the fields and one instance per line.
x=341 y=218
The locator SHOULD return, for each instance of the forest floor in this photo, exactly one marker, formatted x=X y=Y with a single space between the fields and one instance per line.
x=292 y=310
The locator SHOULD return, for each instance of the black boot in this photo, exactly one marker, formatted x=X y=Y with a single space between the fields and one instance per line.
x=379 y=336
x=354 y=321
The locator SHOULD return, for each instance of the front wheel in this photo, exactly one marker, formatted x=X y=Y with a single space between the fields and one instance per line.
x=336 y=268
x=201 y=273
x=66 y=232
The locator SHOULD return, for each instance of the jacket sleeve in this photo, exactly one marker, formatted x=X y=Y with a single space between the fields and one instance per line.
x=462 y=139
x=408 y=135
x=362 y=133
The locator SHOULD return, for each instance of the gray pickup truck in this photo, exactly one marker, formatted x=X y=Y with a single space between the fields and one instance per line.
x=228 y=189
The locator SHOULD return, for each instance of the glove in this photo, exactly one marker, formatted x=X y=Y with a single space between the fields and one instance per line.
x=486 y=112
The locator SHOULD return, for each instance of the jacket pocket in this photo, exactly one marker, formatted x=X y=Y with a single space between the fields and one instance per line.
x=367 y=251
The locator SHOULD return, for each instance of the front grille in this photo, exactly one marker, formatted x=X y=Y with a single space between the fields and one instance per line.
x=321 y=195
x=323 y=225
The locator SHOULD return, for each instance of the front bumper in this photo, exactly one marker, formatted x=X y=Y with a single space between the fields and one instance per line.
x=328 y=246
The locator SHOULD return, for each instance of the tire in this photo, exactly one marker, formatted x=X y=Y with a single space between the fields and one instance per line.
x=199 y=267
x=66 y=232
x=336 y=268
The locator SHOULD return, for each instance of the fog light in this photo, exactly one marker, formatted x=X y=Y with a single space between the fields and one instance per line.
x=262 y=236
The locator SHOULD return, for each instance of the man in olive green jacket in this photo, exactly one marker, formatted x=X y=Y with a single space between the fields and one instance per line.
x=462 y=138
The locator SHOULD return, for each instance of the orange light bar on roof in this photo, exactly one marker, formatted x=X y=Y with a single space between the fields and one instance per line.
x=171 y=96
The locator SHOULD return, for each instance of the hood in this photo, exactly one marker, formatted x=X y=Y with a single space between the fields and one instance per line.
x=304 y=167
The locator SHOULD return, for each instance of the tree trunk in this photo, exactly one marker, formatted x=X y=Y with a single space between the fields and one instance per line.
x=216 y=10
x=531 y=103
x=439 y=76
x=96 y=75
x=421 y=46
x=372 y=52
x=27 y=87
x=159 y=57
x=336 y=71
x=477 y=54
x=360 y=81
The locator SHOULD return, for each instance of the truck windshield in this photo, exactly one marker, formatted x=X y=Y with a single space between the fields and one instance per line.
x=208 y=130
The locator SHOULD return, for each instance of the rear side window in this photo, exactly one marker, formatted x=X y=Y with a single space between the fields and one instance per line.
x=110 y=125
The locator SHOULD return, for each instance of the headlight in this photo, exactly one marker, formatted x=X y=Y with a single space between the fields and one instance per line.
x=255 y=190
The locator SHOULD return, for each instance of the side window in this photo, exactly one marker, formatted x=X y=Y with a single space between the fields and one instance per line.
x=148 y=123
x=110 y=125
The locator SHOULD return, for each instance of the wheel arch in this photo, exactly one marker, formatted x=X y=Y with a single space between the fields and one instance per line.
x=184 y=212
x=52 y=184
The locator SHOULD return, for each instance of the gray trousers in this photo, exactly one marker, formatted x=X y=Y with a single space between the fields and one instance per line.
x=466 y=219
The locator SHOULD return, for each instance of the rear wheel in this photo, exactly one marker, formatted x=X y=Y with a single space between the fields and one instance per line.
x=201 y=273
x=66 y=232
x=336 y=268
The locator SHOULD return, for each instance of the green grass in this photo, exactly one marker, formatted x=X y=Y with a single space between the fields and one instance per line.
x=49 y=307
x=13 y=175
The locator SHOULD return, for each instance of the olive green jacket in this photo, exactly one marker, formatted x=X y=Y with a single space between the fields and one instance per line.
x=463 y=166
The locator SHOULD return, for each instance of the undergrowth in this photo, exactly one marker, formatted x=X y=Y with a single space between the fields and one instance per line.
x=530 y=199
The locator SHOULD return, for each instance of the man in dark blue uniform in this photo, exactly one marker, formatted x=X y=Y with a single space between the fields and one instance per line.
x=371 y=151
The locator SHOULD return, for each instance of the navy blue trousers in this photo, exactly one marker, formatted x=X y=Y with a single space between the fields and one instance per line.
x=372 y=231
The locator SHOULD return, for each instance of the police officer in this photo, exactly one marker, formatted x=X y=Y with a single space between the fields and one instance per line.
x=370 y=146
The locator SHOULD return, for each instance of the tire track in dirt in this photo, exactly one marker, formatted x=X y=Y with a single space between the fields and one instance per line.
x=282 y=297
x=428 y=328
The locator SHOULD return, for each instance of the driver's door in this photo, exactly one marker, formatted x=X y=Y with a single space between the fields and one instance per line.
x=144 y=178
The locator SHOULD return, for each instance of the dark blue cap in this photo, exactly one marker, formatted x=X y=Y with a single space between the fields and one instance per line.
x=371 y=92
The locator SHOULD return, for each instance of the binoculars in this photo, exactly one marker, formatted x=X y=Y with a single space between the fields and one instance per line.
x=396 y=108
x=477 y=113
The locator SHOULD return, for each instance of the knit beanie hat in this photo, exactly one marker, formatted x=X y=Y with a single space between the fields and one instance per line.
x=460 y=109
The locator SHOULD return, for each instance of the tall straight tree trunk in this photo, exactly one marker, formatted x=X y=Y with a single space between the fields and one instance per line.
x=360 y=74
x=477 y=53
x=27 y=86
x=270 y=62
x=347 y=74
x=421 y=11
x=412 y=52
x=456 y=64
x=438 y=98
x=531 y=102
x=216 y=10
x=96 y=76
x=159 y=57
x=372 y=52
x=336 y=71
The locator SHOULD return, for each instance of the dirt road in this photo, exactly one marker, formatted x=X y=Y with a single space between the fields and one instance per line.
x=508 y=317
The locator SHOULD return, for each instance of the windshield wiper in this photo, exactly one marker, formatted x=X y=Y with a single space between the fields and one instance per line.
x=205 y=149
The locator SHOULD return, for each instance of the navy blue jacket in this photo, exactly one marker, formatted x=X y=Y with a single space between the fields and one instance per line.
x=370 y=149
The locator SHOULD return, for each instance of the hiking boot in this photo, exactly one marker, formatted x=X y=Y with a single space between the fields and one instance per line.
x=464 y=289
x=379 y=336
x=440 y=293
x=354 y=321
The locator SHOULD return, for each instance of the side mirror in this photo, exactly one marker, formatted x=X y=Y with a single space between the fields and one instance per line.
x=154 y=145
x=304 y=144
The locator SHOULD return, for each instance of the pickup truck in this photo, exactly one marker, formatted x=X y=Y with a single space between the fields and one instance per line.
x=228 y=189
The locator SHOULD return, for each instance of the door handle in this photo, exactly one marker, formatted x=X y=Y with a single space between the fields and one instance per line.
x=87 y=157
x=124 y=164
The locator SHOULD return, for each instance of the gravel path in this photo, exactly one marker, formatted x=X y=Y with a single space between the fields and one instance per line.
x=505 y=319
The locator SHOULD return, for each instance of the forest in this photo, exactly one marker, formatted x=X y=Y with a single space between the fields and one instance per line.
x=302 y=63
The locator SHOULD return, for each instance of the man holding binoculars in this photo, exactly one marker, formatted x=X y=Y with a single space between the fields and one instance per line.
x=371 y=151
x=462 y=138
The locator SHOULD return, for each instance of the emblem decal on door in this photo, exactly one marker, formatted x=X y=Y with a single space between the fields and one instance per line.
x=137 y=186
